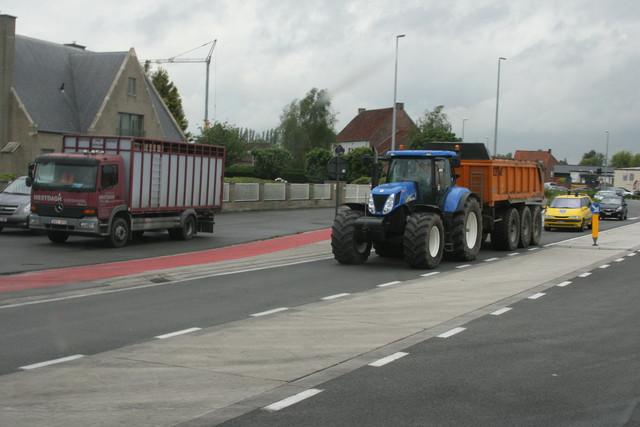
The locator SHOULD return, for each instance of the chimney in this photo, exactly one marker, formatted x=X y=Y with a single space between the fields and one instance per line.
x=399 y=105
x=75 y=45
x=7 y=59
x=360 y=110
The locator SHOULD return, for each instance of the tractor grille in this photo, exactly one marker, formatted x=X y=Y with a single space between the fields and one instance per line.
x=379 y=200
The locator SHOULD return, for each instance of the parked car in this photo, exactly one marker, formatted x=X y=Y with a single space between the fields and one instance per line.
x=15 y=204
x=604 y=193
x=613 y=207
x=569 y=211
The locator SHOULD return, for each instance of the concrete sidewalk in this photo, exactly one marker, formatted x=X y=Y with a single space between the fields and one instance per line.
x=215 y=374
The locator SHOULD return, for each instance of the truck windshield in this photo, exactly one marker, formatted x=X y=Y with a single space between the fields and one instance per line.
x=416 y=170
x=65 y=177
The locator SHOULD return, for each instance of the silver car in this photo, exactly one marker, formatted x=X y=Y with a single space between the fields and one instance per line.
x=15 y=204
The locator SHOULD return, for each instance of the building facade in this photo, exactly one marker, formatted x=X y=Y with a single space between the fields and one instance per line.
x=48 y=89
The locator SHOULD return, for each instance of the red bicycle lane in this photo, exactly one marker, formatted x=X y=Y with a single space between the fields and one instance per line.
x=62 y=276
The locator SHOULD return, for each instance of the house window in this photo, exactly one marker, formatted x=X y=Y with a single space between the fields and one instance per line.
x=46 y=150
x=130 y=125
x=132 y=86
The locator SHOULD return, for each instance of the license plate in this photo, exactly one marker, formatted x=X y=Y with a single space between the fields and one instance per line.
x=607 y=213
x=560 y=222
x=3 y=219
x=59 y=221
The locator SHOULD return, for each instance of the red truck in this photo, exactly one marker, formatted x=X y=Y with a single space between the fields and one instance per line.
x=119 y=187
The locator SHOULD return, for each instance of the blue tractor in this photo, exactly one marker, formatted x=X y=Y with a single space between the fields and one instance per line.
x=419 y=214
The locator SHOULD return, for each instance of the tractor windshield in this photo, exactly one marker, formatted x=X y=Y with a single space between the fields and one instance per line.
x=415 y=170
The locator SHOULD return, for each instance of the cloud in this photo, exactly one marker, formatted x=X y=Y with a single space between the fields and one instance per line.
x=571 y=68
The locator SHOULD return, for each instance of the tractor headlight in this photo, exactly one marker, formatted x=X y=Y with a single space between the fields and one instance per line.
x=371 y=205
x=388 y=206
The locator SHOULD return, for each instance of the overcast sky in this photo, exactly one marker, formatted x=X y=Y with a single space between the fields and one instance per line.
x=572 y=69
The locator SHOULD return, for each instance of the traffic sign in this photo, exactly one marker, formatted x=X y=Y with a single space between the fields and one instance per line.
x=595 y=208
x=337 y=167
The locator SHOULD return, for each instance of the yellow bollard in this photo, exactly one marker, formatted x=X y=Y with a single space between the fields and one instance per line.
x=595 y=222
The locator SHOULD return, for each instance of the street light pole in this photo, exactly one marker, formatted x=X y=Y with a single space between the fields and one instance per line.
x=495 y=134
x=463 y=120
x=395 y=85
x=606 y=158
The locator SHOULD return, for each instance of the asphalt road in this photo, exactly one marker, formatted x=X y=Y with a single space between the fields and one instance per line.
x=58 y=327
x=501 y=362
x=31 y=252
x=568 y=358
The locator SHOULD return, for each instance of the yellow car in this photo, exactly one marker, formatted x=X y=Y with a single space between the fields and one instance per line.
x=569 y=211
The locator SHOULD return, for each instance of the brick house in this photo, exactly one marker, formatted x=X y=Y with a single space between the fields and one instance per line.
x=545 y=157
x=48 y=89
x=372 y=128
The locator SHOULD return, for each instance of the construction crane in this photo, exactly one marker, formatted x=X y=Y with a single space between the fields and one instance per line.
x=207 y=60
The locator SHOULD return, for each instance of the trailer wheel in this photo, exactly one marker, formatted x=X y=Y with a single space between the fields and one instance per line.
x=506 y=233
x=57 y=236
x=346 y=249
x=466 y=232
x=424 y=240
x=186 y=232
x=525 y=227
x=119 y=233
x=536 y=225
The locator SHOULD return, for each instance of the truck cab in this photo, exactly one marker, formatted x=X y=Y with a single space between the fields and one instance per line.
x=75 y=193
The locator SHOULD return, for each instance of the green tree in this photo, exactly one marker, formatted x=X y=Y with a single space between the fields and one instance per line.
x=419 y=139
x=432 y=126
x=269 y=163
x=169 y=93
x=621 y=159
x=434 y=119
x=307 y=124
x=355 y=167
x=507 y=156
x=315 y=164
x=227 y=136
x=592 y=158
x=635 y=162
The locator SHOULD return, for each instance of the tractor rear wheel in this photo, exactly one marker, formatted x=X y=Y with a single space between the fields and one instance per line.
x=466 y=232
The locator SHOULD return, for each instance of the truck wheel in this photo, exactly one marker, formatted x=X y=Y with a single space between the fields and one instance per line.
x=423 y=240
x=346 y=249
x=186 y=232
x=466 y=232
x=525 y=227
x=57 y=236
x=536 y=225
x=506 y=233
x=119 y=233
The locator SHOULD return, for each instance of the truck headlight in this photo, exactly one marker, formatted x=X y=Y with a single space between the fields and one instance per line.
x=88 y=225
x=388 y=206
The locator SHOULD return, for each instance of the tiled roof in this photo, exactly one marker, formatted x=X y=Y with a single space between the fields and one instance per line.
x=365 y=125
x=42 y=68
x=63 y=87
x=534 y=156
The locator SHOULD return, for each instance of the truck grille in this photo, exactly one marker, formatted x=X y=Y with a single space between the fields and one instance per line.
x=8 y=209
x=68 y=212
